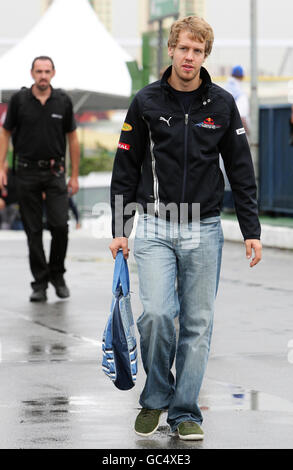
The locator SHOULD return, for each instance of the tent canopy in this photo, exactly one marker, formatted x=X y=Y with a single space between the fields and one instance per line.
x=89 y=64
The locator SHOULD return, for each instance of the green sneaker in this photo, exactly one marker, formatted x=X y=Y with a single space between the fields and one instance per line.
x=147 y=422
x=190 y=431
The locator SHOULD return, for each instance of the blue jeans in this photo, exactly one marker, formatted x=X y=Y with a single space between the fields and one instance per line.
x=178 y=275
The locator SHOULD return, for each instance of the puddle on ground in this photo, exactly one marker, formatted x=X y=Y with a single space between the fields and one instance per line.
x=42 y=351
x=58 y=408
x=236 y=397
x=39 y=349
x=45 y=410
x=69 y=412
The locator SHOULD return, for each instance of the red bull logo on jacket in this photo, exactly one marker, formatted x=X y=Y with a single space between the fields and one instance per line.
x=208 y=123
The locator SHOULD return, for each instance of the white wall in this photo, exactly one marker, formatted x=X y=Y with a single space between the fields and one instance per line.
x=230 y=19
x=17 y=18
x=125 y=25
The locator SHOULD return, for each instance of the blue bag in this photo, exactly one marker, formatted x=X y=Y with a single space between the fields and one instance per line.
x=119 y=342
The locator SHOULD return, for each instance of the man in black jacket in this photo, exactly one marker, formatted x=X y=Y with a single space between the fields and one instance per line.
x=167 y=163
x=39 y=119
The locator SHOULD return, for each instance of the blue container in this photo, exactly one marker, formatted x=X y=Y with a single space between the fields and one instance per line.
x=275 y=160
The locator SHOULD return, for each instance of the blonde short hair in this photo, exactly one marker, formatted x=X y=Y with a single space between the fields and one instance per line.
x=199 y=29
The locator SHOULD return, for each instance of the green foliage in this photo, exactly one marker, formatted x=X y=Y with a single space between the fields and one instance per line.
x=150 y=55
x=102 y=160
x=9 y=158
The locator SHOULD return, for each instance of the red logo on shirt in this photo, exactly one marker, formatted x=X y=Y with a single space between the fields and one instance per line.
x=123 y=146
x=208 y=123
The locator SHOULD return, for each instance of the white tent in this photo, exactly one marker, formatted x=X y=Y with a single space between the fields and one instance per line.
x=90 y=65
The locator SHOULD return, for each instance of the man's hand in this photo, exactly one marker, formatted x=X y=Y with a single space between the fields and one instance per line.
x=117 y=243
x=3 y=178
x=74 y=152
x=2 y=204
x=4 y=143
x=255 y=245
x=73 y=186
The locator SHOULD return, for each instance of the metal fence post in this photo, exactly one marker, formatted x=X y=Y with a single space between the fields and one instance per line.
x=254 y=112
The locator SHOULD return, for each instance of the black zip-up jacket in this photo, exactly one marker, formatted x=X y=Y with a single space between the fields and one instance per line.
x=166 y=155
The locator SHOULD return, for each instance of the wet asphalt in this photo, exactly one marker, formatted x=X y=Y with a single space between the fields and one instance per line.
x=53 y=392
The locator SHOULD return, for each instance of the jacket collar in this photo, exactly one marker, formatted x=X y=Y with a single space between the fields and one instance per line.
x=204 y=75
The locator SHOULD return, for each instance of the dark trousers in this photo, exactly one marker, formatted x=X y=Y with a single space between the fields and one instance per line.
x=31 y=184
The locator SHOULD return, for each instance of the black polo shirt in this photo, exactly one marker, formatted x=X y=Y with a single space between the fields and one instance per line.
x=39 y=131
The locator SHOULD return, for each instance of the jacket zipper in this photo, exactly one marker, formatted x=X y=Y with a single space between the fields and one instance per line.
x=186 y=119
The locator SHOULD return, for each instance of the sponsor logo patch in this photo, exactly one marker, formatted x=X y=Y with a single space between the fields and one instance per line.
x=57 y=116
x=240 y=131
x=167 y=121
x=208 y=123
x=123 y=146
x=126 y=127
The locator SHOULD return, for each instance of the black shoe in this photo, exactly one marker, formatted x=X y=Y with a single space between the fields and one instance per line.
x=38 y=295
x=61 y=289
